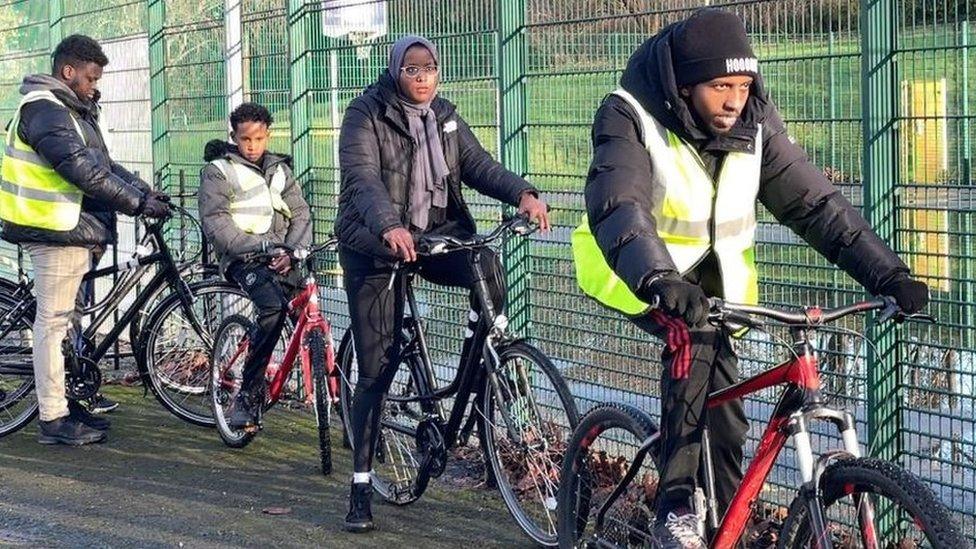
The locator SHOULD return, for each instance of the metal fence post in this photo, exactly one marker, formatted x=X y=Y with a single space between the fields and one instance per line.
x=156 y=10
x=879 y=100
x=513 y=148
x=55 y=15
x=233 y=54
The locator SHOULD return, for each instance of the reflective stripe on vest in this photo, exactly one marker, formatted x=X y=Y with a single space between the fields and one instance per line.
x=32 y=193
x=693 y=214
x=254 y=201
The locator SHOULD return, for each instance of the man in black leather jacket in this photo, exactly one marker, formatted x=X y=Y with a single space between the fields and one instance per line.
x=57 y=122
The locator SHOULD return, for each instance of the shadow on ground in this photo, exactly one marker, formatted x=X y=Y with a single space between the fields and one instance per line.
x=161 y=482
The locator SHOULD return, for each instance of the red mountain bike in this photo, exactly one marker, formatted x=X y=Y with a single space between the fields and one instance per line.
x=310 y=341
x=845 y=500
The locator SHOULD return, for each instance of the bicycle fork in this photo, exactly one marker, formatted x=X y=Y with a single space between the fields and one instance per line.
x=811 y=470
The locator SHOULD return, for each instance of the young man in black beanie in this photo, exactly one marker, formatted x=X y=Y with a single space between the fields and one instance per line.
x=682 y=151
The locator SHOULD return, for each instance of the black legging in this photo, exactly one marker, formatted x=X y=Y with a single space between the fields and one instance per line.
x=377 y=319
x=270 y=293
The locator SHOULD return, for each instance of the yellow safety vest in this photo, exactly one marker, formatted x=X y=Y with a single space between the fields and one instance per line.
x=694 y=215
x=253 y=202
x=32 y=193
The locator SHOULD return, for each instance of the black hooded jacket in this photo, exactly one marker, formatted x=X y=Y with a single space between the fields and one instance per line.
x=375 y=152
x=107 y=186
x=618 y=186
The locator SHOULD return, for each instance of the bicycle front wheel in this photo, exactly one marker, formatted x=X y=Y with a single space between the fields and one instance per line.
x=527 y=420
x=18 y=401
x=396 y=456
x=869 y=502
x=600 y=453
x=178 y=359
x=229 y=355
x=320 y=353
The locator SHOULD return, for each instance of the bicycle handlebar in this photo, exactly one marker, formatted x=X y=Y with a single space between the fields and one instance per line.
x=300 y=254
x=442 y=244
x=810 y=317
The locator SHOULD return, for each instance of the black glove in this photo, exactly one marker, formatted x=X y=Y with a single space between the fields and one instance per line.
x=154 y=207
x=677 y=298
x=911 y=295
x=161 y=196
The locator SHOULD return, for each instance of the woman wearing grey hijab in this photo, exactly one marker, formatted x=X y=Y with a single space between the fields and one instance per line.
x=403 y=154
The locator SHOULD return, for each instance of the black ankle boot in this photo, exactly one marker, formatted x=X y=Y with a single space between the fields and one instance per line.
x=360 y=517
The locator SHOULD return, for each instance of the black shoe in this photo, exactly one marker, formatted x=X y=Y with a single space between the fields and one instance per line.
x=77 y=411
x=360 y=517
x=100 y=404
x=70 y=431
x=243 y=411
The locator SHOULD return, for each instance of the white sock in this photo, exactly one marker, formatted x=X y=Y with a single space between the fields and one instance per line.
x=360 y=477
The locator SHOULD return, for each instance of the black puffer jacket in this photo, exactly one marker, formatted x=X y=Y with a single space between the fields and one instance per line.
x=108 y=187
x=618 y=188
x=375 y=153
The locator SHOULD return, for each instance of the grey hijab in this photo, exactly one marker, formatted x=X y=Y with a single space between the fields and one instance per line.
x=428 y=180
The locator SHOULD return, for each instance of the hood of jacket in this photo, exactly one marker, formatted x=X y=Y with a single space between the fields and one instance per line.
x=36 y=82
x=650 y=78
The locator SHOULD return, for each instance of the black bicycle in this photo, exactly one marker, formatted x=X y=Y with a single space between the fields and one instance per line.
x=199 y=311
x=522 y=407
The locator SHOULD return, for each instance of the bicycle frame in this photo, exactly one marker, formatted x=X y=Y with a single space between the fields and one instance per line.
x=469 y=375
x=310 y=319
x=799 y=403
x=136 y=267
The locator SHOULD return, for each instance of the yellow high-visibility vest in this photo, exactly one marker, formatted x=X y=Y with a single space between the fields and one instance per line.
x=694 y=215
x=32 y=193
x=253 y=202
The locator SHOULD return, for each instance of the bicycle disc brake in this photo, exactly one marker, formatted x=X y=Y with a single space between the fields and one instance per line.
x=83 y=379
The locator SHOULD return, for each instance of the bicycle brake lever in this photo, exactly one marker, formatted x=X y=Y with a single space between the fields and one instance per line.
x=921 y=317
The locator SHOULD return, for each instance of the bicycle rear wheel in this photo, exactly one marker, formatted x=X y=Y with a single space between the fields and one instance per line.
x=869 y=502
x=526 y=434
x=229 y=355
x=600 y=453
x=18 y=400
x=178 y=359
x=396 y=458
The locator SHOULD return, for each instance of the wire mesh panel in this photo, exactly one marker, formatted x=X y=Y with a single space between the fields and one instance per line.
x=341 y=68
x=24 y=39
x=189 y=97
x=936 y=210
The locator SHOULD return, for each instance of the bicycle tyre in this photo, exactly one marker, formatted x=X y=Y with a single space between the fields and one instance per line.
x=878 y=478
x=227 y=340
x=186 y=396
x=536 y=518
x=12 y=419
x=575 y=489
x=319 y=355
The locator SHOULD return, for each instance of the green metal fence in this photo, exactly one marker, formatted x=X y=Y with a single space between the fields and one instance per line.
x=877 y=92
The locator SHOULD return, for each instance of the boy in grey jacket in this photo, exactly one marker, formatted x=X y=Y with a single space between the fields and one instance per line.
x=250 y=204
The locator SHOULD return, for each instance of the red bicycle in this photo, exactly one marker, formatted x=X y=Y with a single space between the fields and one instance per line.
x=310 y=341
x=845 y=500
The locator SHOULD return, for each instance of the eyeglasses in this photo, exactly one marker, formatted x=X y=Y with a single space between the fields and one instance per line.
x=414 y=71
